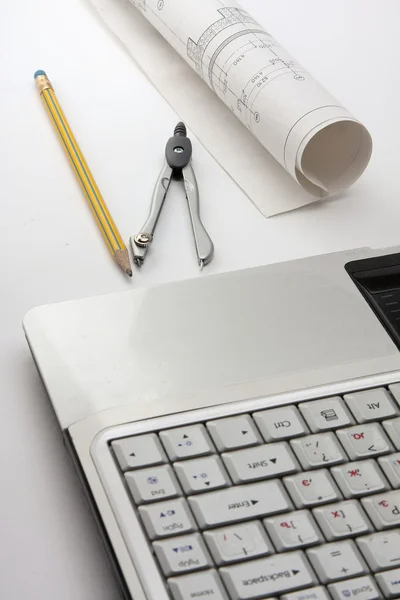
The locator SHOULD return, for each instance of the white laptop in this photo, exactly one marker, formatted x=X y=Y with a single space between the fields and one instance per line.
x=239 y=435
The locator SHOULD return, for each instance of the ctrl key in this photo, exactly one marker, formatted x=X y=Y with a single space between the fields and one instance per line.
x=268 y=576
x=198 y=585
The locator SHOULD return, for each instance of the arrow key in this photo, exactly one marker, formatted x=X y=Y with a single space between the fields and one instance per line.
x=139 y=451
x=202 y=474
x=234 y=432
x=186 y=442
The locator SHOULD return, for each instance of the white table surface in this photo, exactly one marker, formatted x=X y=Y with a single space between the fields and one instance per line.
x=52 y=251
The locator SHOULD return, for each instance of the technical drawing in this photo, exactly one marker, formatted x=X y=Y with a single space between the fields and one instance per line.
x=260 y=83
x=232 y=41
x=230 y=16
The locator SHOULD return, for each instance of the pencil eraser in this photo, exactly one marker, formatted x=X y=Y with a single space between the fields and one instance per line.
x=38 y=73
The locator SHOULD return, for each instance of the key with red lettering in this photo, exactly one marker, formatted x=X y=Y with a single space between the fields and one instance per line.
x=383 y=509
x=391 y=467
x=319 y=450
x=311 y=489
x=293 y=530
x=360 y=478
x=364 y=440
x=341 y=520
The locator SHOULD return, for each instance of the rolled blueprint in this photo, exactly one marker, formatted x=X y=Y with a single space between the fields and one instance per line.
x=315 y=139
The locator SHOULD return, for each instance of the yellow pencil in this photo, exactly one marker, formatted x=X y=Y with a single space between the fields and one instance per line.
x=101 y=213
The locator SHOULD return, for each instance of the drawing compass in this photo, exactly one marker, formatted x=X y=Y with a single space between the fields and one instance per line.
x=178 y=155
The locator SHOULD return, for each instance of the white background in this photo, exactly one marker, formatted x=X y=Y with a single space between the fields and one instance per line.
x=52 y=251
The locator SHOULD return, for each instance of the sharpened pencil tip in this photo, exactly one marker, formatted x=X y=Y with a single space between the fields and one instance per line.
x=129 y=272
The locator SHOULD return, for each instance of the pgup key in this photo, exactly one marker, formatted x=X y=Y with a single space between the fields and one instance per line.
x=178 y=155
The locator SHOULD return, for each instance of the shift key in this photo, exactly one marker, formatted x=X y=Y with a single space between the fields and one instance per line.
x=240 y=503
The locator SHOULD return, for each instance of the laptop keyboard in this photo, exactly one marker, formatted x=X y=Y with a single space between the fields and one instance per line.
x=296 y=502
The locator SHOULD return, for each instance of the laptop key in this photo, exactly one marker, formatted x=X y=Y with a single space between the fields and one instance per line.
x=341 y=520
x=280 y=423
x=156 y=483
x=206 y=584
x=338 y=560
x=311 y=489
x=389 y=582
x=359 y=478
x=383 y=509
x=139 y=451
x=202 y=474
x=186 y=442
x=319 y=450
x=329 y=413
x=392 y=428
x=381 y=550
x=240 y=503
x=268 y=576
x=371 y=405
x=365 y=440
x=391 y=467
x=167 y=518
x=182 y=554
x=362 y=588
x=315 y=593
x=234 y=432
x=293 y=530
x=260 y=462
x=238 y=542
